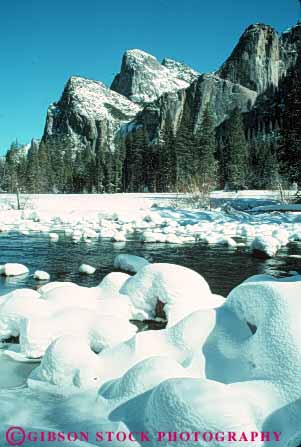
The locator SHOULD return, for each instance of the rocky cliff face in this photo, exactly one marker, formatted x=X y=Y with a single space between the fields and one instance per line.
x=222 y=96
x=149 y=94
x=143 y=79
x=290 y=48
x=87 y=110
x=262 y=57
x=255 y=61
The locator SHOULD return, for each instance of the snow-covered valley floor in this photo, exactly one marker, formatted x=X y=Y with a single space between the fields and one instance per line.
x=220 y=365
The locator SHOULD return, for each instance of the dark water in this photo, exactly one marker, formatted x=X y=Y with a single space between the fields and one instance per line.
x=222 y=267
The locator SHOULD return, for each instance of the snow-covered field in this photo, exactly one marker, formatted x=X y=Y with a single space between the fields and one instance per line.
x=220 y=365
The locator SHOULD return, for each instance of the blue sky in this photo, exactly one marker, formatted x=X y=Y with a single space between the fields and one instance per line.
x=43 y=42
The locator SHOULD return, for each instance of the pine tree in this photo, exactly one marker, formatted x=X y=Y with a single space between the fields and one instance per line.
x=56 y=158
x=264 y=169
x=236 y=152
x=33 y=170
x=137 y=160
x=290 y=150
x=167 y=160
x=119 y=156
x=206 y=163
x=45 y=179
x=67 y=172
x=185 y=145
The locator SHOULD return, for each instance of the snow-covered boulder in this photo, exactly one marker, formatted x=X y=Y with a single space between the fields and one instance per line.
x=142 y=377
x=87 y=269
x=111 y=284
x=186 y=408
x=175 y=289
x=54 y=285
x=17 y=305
x=75 y=296
x=13 y=269
x=272 y=308
x=40 y=275
x=54 y=237
x=68 y=363
x=180 y=344
x=102 y=331
x=266 y=246
x=130 y=263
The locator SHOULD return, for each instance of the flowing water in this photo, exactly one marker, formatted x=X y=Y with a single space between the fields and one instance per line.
x=222 y=267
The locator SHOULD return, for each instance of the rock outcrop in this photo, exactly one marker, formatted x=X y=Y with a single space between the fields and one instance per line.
x=255 y=60
x=222 y=95
x=262 y=57
x=143 y=79
x=290 y=48
x=87 y=111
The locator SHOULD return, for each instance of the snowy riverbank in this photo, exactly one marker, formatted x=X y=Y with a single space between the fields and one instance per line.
x=154 y=218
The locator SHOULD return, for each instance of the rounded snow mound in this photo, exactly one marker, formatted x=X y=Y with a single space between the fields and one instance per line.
x=190 y=406
x=102 y=331
x=68 y=362
x=130 y=263
x=140 y=378
x=111 y=284
x=13 y=269
x=169 y=289
x=17 y=305
x=272 y=308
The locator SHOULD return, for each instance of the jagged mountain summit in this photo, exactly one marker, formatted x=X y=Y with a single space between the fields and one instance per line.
x=143 y=79
x=87 y=110
x=147 y=98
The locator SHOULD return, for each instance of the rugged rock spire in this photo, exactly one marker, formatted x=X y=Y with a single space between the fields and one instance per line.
x=255 y=60
x=143 y=79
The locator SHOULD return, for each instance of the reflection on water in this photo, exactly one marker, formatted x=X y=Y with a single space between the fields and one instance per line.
x=222 y=267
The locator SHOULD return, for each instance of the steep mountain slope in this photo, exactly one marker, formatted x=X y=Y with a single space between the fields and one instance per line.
x=86 y=110
x=222 y=95
x=255 y=60
x=262 y=57
x=143 y=79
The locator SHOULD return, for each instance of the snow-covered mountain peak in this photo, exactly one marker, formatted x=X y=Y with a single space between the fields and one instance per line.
x=95 y=100
x=181 y=70
x=143 y=79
